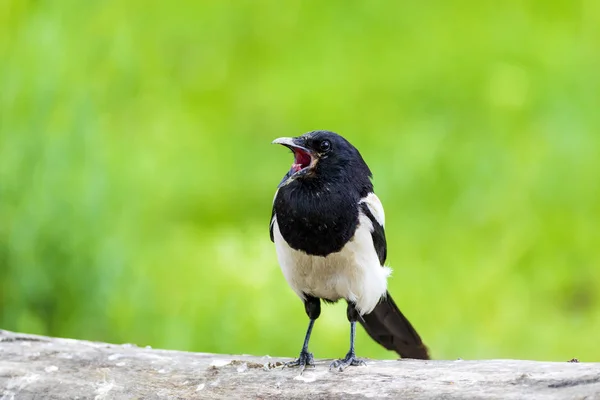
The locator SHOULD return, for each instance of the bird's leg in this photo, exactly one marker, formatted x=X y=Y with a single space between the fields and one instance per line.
x=312 y=306
x=305 y=358
x=350 y=358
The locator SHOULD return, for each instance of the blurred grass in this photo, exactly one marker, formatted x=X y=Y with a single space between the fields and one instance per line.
x=136 y=175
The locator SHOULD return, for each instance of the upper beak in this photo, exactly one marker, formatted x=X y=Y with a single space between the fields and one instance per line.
x=288 y=142
x=293 y=143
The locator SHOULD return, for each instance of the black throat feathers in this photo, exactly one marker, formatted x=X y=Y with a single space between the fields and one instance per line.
x=318 y=217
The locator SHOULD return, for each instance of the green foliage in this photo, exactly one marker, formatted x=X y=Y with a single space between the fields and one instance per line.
x=136 y=172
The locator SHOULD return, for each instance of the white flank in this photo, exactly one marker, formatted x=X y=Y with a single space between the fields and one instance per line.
x=354 y=273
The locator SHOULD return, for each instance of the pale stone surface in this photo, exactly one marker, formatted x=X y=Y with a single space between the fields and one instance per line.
x=38 y=367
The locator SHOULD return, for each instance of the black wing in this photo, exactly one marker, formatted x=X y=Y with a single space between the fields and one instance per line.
x=271 y=224
x=378 y=234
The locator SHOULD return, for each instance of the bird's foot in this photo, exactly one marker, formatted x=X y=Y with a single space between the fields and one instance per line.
x=305 y=359
x=350 y=359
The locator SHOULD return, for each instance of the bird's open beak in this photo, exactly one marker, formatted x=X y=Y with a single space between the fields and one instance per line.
x=304 y=159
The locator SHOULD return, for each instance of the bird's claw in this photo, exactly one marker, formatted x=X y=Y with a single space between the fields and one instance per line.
x=350 y=359
x=305 y=359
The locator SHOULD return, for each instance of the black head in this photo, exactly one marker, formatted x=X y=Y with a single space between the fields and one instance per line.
x=325 y=157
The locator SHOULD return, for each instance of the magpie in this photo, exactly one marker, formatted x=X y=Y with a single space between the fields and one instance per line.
x=328 y=228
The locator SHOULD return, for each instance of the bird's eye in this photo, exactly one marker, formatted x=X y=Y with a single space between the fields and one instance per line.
x=325 y=145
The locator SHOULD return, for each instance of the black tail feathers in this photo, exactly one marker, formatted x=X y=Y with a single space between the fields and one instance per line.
x=390 y=328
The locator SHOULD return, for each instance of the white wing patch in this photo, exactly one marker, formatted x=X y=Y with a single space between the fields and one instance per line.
x=375 y=206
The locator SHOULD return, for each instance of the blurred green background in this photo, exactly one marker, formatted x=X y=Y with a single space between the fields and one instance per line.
x=136 y=171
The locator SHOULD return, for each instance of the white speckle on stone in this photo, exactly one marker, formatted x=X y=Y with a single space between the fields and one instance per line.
x=52 y=368
x=200 y=387
x=310 y=376
x=148 y=347
x=7 y=394
x=25 y=344
x=164 y=393
x=215 y=383
x=115 y=356
x=219 y=363
x=103 y=389
x=120 y=364
x=305 y=379
x=65 y=356
x=162 y=371
x=128 y=345
x=15 y=385
x=242 y=368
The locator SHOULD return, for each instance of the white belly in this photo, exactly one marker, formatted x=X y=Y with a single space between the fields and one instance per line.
x=354 y=273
